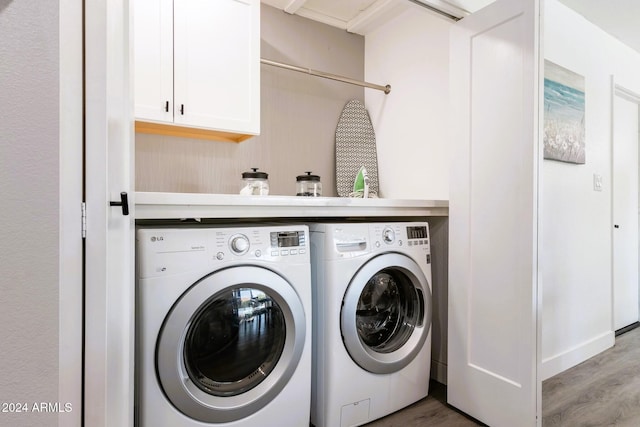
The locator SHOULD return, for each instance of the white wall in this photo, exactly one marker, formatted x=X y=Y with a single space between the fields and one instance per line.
x=29 y=187
x=575 y=250
x=411 y=53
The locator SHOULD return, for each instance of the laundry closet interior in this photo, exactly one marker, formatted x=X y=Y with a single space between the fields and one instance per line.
x=471 y=209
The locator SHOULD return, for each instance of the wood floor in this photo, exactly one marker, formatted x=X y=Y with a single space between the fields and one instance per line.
x=431 y=411
x=602 y=391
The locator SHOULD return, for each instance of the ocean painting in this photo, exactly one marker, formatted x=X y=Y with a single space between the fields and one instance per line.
x=564 y=111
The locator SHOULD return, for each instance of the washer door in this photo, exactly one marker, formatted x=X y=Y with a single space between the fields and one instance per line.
x=230 y=344
x=386 y=313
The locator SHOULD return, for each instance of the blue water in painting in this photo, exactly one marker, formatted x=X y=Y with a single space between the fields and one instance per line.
x=563 y=102
x=564 y=127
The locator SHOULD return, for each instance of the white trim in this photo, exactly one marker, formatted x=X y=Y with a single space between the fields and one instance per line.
x=626 y=93
x=70 y=240
x=568 y=359
x=109 y=293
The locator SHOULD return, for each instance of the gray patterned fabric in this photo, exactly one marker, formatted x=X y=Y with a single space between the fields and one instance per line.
x=355 y=147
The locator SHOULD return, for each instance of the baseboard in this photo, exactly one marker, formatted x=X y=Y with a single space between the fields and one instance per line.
x=576 y=355
x=626 y=329
x=439 y=371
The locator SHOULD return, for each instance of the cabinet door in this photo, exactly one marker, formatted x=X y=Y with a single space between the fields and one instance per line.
x=153 y=59
x=217 y=64
x=493 y=355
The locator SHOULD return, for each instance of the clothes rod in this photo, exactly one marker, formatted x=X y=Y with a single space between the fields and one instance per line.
x=386 y=89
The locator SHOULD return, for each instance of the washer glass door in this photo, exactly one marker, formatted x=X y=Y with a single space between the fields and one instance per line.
x=234 y=341
x=386 y=313
x=230 y=344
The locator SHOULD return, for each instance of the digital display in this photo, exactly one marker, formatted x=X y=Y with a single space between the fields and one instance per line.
x=417 y=232
x=286 y=239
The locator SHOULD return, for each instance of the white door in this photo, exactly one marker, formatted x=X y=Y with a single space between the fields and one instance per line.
x=109 y=278
x=493 y=212
x=625 y=209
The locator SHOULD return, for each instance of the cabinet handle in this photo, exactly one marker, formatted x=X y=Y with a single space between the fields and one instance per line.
x=166 y=107
x=182 y=109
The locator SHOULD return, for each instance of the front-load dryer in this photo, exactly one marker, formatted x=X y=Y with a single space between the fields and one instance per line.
x=223 y=327
x=372 y=317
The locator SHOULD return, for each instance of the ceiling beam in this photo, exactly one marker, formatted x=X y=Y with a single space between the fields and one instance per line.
x=369 y=18
x=294 y=5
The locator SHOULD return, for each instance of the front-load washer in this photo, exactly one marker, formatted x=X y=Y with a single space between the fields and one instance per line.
x=372 y=317
x=223 y=326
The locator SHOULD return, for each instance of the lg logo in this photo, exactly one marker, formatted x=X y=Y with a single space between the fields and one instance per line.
x=157 y=239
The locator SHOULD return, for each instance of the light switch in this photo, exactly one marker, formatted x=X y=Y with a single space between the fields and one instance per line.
x=597 y=182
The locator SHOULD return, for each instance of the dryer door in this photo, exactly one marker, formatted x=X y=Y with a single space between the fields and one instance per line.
x=230 y=344
x=386 y=313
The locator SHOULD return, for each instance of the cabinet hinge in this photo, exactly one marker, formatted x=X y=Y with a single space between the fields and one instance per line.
x=84 y=220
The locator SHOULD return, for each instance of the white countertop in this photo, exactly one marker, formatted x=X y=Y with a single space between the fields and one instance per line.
x=196 y=205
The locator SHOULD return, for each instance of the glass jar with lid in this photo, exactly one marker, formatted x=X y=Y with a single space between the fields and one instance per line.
x=255 y=183
x=308 y=185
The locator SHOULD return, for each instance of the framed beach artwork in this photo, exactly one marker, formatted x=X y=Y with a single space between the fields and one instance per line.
x=564 y=114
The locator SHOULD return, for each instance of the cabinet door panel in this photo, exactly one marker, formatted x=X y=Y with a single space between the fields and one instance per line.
x=153 y=59
x=217 y=65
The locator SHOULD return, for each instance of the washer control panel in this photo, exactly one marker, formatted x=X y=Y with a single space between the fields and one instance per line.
x=261 y=242
x=239 y=244
x=171 y=250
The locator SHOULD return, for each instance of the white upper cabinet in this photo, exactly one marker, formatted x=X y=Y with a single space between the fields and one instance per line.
x=153 y=60
x=197 y=64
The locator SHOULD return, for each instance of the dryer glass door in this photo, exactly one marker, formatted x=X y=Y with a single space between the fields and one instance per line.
x=388 y=310
x=386 y=313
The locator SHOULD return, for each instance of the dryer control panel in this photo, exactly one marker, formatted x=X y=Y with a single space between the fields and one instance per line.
x=411 y=235
x=392 y=234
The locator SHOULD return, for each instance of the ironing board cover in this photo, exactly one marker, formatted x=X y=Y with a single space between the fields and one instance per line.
x=355 y=147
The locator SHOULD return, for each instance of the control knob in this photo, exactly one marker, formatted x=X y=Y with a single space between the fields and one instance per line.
x=388 y=235
x=239 y=244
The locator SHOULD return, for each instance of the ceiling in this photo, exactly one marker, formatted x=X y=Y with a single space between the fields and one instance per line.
x=620 y=18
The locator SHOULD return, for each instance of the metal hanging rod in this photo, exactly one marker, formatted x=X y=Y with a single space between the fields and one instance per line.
x=386 y=89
